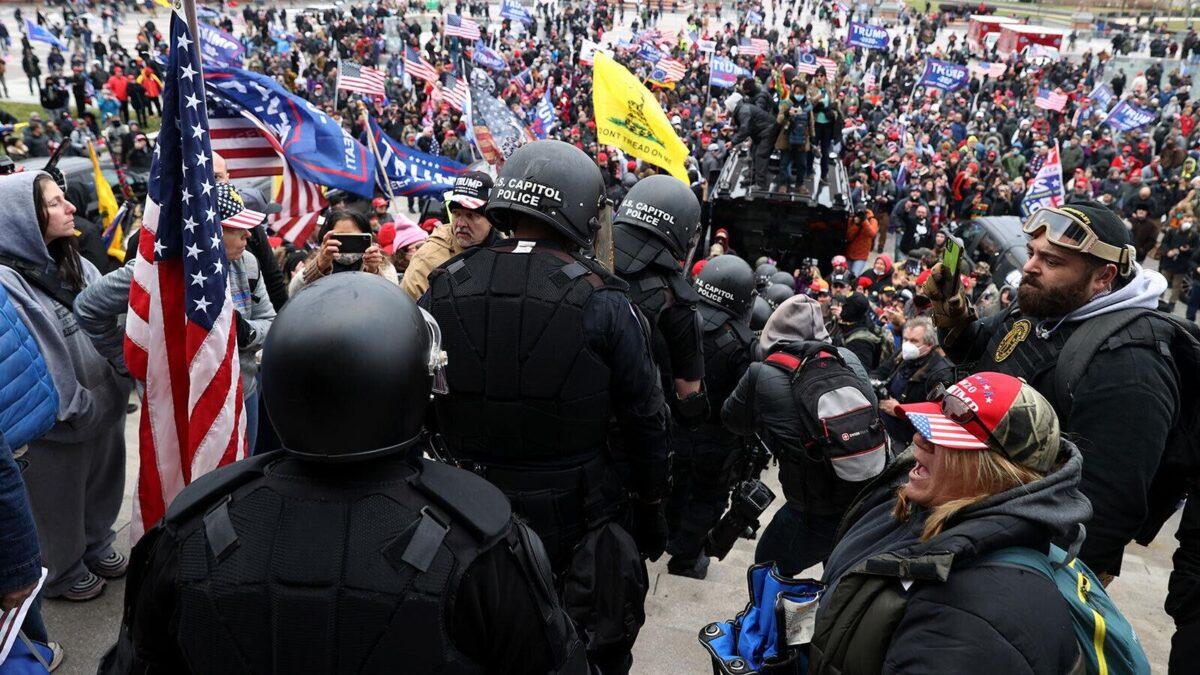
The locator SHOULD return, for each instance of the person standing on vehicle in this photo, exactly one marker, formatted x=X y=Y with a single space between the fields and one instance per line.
x=1083 y=293
x=764 y=403
x=654 y=231
x=345 y=551
x=545 y=348
x=705 y=452
x=758 y=126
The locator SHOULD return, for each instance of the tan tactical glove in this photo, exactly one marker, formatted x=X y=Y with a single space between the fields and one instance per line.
x=949 y=313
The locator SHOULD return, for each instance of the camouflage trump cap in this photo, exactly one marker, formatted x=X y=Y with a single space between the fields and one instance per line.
x=991 y=410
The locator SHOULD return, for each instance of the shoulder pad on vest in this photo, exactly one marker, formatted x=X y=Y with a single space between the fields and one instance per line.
x=455 y=261
x=713 y=318
x=684 y=293
x=215 y=484
x=608 y=279
x=477 y=502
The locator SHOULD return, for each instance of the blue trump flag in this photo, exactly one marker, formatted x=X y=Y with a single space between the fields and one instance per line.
x=1127 y=117
x=1103 y=95
x=724 y=72
x=866 y=36
x=36 y=32
x=511 y=9
x=544 y=119
x=488 y=58
x=944 y=75
x=220 y=48
x=315 y=146
x=410 y=172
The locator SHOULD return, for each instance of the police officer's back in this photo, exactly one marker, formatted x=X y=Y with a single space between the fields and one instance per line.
x=345 y=552
x=654 y=231
x=544 y=349
x=705 y=452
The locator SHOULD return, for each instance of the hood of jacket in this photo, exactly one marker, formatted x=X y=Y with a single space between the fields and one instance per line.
x=20 y=237
x=797 y=319
x=1027 y=515
x=1142 y=291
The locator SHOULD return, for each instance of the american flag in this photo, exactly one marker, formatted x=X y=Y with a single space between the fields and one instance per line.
x=808 y=64
x=672 y=69
x=180 y=339
x=940 y=430
x=458 y=27
x=252 y=151
x=753 y=47
x=992 y=70
x=1050 y=100
x=416 y=66
x=360 y=79
x=454 y=92
x=248 y=151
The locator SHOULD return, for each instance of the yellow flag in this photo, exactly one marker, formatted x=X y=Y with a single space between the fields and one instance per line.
x=164 y=3
x=629 y=117
x=107 y=205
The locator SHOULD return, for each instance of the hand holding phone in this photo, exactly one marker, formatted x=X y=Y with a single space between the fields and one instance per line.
x=951 y=255
x=353 y=243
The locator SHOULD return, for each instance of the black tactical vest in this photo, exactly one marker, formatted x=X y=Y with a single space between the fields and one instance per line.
x=525 y=388
x=1018 y=349
x=305 y=568
x=727 y=344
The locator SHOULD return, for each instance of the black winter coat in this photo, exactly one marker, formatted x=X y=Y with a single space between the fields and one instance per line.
x=956 y=617
x=753 y=122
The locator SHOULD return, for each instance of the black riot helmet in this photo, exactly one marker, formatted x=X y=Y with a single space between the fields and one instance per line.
x=554 y=182
x=783 y=279
x=759 y=315
x=727 y=282
x=775 y=294
x=763 y=274
x=665 y=207
x=348 y=367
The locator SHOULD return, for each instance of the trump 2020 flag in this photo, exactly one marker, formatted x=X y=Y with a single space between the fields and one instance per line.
x=316 y=147
x=866 y=36
x=511 y=9
x=723 y=72
x=41 y=34
x=220 y=48
x=1046 y=188
x=1126 y=116
x=180 y=339
x=944 y=75
x=410 y=172
x=488 y=58
x=1103 y=95
x=544 y=119
x=629 y=117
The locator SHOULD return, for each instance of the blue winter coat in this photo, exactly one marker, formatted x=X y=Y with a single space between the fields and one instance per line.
x=28 y=399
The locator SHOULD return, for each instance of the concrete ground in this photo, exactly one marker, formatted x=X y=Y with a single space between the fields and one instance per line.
x=676 y=609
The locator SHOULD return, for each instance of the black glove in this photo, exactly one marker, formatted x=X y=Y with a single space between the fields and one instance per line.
x=245 y=332
x=649 y=528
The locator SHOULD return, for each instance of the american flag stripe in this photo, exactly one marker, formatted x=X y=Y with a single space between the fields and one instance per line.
x=457 y=26
x=416 y=66
x=753 y=47
x=302 y=203
x=360 y=79
x=456 y=94
x=942 y=431
x=247 y=153
x=180 y=340
x=674 y=69
x=809 y=63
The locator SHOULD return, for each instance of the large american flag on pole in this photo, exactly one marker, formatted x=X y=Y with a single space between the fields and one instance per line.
x=1050 y=100
x=180 y=341
x=454 y=92
x=416 y=66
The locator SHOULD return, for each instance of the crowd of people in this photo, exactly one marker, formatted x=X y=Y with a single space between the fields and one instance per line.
x=612 y=402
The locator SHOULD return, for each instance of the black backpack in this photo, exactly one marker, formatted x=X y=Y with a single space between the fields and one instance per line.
x=842 y=425
x=1180 y=466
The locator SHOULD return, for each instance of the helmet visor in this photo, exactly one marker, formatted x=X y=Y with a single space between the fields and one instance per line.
x=437 y=358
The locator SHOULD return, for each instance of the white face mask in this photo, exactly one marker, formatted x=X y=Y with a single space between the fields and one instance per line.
x=909 y=351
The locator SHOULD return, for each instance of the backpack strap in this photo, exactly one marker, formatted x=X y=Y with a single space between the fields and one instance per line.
x=1018 y=557
x=1079 y=350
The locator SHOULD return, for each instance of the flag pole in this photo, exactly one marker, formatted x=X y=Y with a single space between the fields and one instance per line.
x=387 y=182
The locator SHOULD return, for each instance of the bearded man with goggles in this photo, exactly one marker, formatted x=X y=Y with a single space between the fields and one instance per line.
x=1084 y=296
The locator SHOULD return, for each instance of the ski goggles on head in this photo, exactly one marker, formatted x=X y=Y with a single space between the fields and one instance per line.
x=1070 y=231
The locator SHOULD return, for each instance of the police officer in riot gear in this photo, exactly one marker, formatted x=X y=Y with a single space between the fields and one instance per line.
x=763 y=274
x=705 y=453
x=759 y=313
x=544 y=348
x=655 y=230
x=344 y=552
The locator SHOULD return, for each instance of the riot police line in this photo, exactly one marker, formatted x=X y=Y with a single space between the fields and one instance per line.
x=594 y=419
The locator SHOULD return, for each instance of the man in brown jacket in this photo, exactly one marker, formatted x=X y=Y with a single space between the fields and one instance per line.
x=468 y=227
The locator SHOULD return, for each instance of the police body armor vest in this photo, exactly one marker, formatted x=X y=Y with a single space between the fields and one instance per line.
x=727 y=344
x=656 y=284
x=525 y=387
x=294 y=572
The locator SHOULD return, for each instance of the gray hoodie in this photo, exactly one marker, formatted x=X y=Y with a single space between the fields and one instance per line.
x=92 y=396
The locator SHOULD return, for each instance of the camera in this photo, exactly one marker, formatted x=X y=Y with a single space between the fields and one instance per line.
x=750 y=499
x=880 y=389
